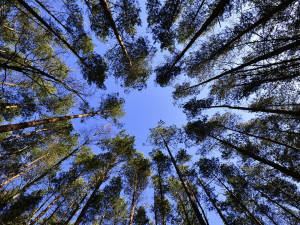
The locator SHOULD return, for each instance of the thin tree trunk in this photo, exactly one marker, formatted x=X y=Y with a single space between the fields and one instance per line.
x=54 y=201
x=88 y=188
x=251 y=216
x=255 y=60
x=266 y=17
x=96 y=188
x=53 y=16
x=216 y=12
x=202 y=210
x=14 y=106
x=22 y=135
x=263 y=138
x=133 y=199
x=11 y=127
x=103 y=215
x=28 y=185
x=184 y=210
x=24 y=171
x=254 y=109
x=26 y=166
x=213 y=201
x=52 y=214
x=41 y=206
x=105 y=5
x=242 y=151
x=187 y=190
x=51 y=29
x=163 y=214
x=274 y=202
x=13 y=85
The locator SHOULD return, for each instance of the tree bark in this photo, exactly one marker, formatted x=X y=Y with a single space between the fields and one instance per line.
x=51 y=29
x=255 y=60
x=242 y=151
x=254 y=109
x=22 y=135
x=251 y=216
x=11 y=127
x=105 y=5
x=163 y=214
x=96 y=188
x=24 y=171
x=218 y=9
x=263 y=138
x=187 y=190
x=133 y=199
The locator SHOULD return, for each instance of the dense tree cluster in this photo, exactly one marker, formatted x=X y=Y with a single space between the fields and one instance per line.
x=234 y=66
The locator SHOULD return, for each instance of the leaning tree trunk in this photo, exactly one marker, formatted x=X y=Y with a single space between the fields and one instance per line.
x=248 y=213
x=213 y=201
x=22 y=135
x=187 y=190
x=96 y=188
x=276 y=166
x=116 y=32
x=133 y=198
x=17 y=126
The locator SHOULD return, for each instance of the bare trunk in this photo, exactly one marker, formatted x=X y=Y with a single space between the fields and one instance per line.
x=103 y=215
x=187 y=190
x=96 y=188
x=162 y=200
x=13 y=85
x=250 y=215
x=51 y=29
x=116 y=32
x=255 y=60
x=24 y=167
x=133 y=199
x=11 y=127
x=22 y=135
x=242 y=151
x=213 y=201
x=218 y=9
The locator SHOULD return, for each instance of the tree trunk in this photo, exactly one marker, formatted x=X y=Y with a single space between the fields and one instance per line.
x=116 y=32
x=242 y=151
x=255 y=60
x=65 y=189
x=254 y=109
x=28 y=185
x=187 y=190
x=202 y=210
x=14 y=106
x=41 y=206
x=215 y=13
x=184 y=210
x=24 y=171
x=27 y=165
x=263 y=138
x=13 y=85
x=163 y=214
x=250 y=215
x=133 y=199
x=213 y=201
x=103 y=215
x=96 y=188
x=88 y=188
x=22 y=135
x=275 y=203
x=11 y=127
x=50 y=28
x=266 y=17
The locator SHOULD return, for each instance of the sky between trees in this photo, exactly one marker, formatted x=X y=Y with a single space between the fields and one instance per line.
x=211 y=87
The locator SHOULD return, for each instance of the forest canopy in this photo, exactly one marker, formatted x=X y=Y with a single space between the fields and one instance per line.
x=234 y=70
